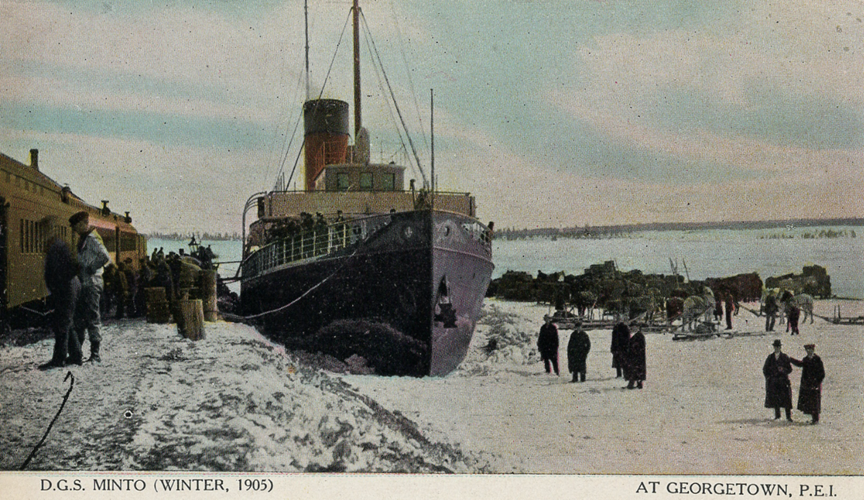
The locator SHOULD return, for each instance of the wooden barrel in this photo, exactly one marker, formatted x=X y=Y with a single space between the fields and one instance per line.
x=208 y=295
x=157 y=306
x=190 y=321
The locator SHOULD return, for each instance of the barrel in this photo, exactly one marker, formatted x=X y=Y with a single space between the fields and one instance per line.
x=208 y=295
x=157 y=305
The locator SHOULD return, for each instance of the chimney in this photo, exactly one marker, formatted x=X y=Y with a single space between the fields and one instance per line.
x=34 y=159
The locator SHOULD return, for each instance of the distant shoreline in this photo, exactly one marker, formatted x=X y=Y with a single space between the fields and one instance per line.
x=680 y=226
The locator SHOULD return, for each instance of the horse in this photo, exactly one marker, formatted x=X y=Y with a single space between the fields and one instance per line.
x=696 y=306
x=803 y=302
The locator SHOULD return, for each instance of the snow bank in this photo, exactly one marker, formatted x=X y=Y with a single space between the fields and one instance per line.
x=231 y=402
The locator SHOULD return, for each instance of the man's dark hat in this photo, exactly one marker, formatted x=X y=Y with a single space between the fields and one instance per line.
x=777 y=343
x=809 y=346
x=78 y=217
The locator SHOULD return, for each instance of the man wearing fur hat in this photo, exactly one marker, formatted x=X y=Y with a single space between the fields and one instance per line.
x=812 y=374
x=778 y=390
x=92 y=257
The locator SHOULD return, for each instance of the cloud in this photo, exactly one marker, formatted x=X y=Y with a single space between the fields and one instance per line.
x=181 y=188
x=577 y=113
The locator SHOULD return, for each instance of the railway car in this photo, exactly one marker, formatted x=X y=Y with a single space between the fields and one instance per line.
x=34 y=206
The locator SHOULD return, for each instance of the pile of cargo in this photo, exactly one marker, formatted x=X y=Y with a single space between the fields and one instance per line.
x=813 y=281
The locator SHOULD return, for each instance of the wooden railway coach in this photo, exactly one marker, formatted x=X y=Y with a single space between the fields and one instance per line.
x=33 y=207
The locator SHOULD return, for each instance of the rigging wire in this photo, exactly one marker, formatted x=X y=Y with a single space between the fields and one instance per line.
x=410 y=79
x=396 y=105
x=286 y=139
x=378 y=72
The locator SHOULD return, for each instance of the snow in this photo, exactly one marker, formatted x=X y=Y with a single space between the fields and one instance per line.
x=236 y=402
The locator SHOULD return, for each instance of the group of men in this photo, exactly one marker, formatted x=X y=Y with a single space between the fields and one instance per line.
x=628 y=352
x=778 y=388
x=772 y=309
x=75 y=285
x=628 y=359
x=732 y=307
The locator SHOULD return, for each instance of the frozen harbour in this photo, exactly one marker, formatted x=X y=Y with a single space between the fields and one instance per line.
x=234 y=402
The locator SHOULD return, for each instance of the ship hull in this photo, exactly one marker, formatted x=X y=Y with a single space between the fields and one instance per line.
x=405 y=296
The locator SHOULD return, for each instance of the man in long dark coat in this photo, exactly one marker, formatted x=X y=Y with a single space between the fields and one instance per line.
x=771 y=310
x=731 y=307
x=620 y=343
x=636 y=360
x=812 y=374
x=577 y=352
x=718 y=308
x=547 y=344
x=793 y=315
x=778 y=390
x=62 y=281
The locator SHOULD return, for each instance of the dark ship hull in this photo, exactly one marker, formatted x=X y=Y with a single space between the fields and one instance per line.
x=403 y=290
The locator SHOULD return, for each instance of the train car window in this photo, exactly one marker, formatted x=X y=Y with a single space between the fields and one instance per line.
x=31 y=237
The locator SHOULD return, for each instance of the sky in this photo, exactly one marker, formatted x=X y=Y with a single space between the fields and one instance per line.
x=554 y=113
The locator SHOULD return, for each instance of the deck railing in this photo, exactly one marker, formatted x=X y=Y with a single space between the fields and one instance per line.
x=312 y=243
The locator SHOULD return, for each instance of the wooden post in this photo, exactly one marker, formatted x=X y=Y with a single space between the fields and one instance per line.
x=191 y=324
x=208 y=295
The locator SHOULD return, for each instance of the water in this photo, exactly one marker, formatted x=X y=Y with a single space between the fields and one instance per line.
x=707 y=254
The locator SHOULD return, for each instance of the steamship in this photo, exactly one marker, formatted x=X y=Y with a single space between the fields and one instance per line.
x=355 y=264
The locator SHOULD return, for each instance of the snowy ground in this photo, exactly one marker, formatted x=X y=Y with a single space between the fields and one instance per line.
x=701 y=411
x=234 y=402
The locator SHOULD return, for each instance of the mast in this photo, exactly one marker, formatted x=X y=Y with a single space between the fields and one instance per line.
x=306 y=17
x=358 y=123
x=432 y=133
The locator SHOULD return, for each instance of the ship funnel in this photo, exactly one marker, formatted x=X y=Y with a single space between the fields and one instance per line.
x=326 y=131
x=34 y=159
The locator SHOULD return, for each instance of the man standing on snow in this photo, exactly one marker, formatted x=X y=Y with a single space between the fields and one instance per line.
x=731 y=307
x=92 y=257
x=771 y=310
x=778 y=390
x=620 y=343
x=62 y=283
x=577 y=352
x=812 y=374
x=547 y=344
x=636 y=360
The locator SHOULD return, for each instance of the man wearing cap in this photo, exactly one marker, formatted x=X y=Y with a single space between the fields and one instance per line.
x=92 y=257
x=577 y=352
x=778 y=389
x=812 y=374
